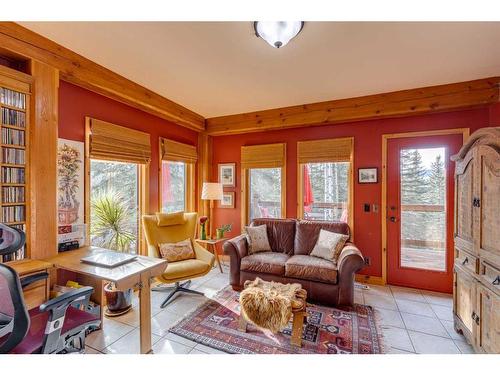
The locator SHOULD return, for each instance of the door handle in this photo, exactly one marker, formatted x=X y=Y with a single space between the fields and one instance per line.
x=466 y=260
x=393 y=219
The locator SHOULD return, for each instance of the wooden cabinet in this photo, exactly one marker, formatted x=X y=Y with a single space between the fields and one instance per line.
x=476 y=291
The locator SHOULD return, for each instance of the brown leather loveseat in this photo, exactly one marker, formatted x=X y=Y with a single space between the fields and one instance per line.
x=289 y=261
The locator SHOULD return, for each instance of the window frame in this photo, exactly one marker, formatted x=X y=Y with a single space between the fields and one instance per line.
x=142 y=193
x=300 y=181
x=245 y=187
x=190 y=171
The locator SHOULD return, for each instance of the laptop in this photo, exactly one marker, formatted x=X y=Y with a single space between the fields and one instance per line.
x=108 y=259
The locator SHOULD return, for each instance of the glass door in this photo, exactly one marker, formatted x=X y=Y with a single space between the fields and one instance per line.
x=420 y=188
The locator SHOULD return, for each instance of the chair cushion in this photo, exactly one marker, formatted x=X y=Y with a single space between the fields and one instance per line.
x=307 y=233
x=306 y=267
x=33 y=341
x=174 y=252
x=185 y=269
x=281 y=233
x=270 y=262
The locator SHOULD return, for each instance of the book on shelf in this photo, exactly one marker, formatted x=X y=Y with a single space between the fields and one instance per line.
x=12 y=175
x=13 y=156
x=13 y=194
x=13 y=117
x=12 y=214
x=13 y=137
x=13 y=98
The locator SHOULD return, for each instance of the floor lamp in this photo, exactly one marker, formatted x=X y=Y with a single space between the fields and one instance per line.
x=211 y=191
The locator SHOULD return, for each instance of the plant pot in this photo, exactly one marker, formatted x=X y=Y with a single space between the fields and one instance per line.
x=220 y=234
x=118 y=302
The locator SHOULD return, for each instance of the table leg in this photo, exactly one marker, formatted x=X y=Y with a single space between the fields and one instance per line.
x=216 y=254
x=297 y=326
x=145 y=313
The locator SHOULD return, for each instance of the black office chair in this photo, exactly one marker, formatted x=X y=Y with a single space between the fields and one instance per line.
x=53 y=327
x=11 y=240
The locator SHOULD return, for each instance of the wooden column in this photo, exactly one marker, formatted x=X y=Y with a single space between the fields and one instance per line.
x=204 y=170
x=43 y=161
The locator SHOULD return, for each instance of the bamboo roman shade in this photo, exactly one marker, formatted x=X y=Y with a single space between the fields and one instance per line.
x=263 y=156
x=177 y=151
x=114 y=142
x=325 y=150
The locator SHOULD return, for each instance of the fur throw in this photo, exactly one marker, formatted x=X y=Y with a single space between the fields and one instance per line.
x=268 y=305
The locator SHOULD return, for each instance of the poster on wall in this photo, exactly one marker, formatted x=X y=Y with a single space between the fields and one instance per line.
x=71 y=185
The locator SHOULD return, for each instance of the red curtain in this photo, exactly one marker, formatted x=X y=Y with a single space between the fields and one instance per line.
x=308 y=192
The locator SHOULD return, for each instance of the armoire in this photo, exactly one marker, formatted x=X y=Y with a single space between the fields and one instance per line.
x=476 y=292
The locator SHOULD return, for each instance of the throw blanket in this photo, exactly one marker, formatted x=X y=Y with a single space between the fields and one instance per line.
x=269 y=305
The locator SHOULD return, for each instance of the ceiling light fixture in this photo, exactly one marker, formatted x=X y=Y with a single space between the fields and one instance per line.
x=277 y=33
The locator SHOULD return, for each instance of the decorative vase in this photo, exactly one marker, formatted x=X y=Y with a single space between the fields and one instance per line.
x=220 y=234
x=203 y=234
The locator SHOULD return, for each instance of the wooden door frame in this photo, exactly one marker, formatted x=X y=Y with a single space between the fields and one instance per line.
x=383 y=209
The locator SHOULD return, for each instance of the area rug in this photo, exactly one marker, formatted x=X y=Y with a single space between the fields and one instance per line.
x=327 y=331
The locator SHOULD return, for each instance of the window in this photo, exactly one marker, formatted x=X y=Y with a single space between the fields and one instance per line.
x=325 y=179
x=265 y=192
x=114 y=205
x=117 y=188
x=173 y=186
x=177 y=168
x=326 y=191
x=263 y=180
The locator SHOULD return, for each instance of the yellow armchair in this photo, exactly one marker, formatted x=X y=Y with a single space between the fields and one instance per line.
x=176 y=228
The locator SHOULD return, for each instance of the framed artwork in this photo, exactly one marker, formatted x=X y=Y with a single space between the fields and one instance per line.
x=227 y=200
x=227 y=174
x=367 y=175
x=70 y=182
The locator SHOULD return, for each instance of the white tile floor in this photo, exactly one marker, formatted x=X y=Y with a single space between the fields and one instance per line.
x=412 y=321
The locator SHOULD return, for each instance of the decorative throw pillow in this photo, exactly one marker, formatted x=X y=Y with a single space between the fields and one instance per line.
x=174 y=252
x=257 y=239
x=329 y=245
x=165 y=220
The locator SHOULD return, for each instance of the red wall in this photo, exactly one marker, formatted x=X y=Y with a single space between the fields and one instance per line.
x=367 y=153
x=75 y=103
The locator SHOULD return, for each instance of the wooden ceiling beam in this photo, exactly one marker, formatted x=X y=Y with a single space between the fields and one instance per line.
x=454 y=96
x=83 y=72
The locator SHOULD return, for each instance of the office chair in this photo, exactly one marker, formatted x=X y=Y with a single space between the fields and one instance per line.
x=11 y=240
x=53 y=327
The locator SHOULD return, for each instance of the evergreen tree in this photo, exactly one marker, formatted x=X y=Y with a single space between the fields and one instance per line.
x=413 y=177
x=437 y=182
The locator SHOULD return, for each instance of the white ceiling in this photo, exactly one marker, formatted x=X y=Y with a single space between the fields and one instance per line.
x=221 y=68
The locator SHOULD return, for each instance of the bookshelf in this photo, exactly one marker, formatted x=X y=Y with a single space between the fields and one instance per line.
x=15 y=93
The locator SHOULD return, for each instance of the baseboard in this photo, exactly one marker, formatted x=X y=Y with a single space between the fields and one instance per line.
x=367 y=279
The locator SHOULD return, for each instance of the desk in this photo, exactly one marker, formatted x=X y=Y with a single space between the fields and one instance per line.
x=136 y=274
x=211 y=245
x=38 y=292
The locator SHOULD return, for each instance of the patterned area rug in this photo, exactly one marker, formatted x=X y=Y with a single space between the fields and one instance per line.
x=327 y=331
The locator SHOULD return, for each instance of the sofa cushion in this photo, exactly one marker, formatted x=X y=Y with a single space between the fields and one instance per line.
x=281 y=233
x=329 y=245
x=257 y=239
x=270 y=262
x=307 y=233
x=306 y=267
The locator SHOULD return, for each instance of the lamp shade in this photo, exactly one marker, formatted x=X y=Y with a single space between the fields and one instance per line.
x=211 y=191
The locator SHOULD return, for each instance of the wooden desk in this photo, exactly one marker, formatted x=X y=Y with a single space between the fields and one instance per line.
x=211 y=245
x=136 y=274
x=38 y=292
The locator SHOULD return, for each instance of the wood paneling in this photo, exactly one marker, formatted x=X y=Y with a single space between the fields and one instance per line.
x=85 y=73
x=43 y=162
x=204 y=170
x=424 y=100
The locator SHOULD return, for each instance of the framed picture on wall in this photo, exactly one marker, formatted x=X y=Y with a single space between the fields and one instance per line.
x=227 y=174
x=227 y=200
x=367 y=175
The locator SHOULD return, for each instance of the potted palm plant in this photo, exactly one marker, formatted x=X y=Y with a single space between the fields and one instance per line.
x=110 y=229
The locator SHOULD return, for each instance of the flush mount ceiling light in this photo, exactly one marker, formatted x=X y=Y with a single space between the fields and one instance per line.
x=277 y=33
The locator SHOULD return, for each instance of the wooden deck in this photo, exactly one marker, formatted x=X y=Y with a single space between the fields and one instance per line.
x=426 y=258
